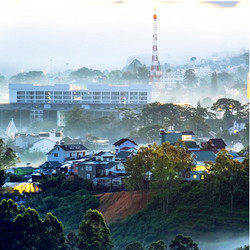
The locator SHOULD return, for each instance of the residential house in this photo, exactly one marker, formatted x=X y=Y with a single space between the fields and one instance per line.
x=25 y=141
x=171 y=137
x=85 y=170
x=187 y=136
x=115 y=168
x=20 y=170
x=125 y=143
x=43 y=145
x=62 y=152
x=104 y=156
x=193 y=175
x=192 y=145
x=217 y=144
x=53 y=135
x=122 y=156
x=201 y=157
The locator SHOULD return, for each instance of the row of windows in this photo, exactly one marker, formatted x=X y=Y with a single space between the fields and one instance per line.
x=59 y=93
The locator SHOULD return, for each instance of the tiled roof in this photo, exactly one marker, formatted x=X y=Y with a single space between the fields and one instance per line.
x=172 y=137
x=218 y=143
x=121 y=141
x=204 y=155
x=191 y=144
x=123 y=154
x=187 y=133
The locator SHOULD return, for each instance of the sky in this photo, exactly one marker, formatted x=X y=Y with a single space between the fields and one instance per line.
x=61 y=34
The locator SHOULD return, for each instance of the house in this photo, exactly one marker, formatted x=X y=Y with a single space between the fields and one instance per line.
x=124 y=142
x=187 y=136
x=217 y=144
x=53 y=135
x=43 y=145
x=201 y=157
x=238 y=126
x=51 y=165
x=25 y=141
x=104 y=156
x=171 y=137
x=192 y=145
x=62 y=152
x=115 y=168
x=85 y=170
x=193 y=175
x=20 y=170
x=122 y=156
x=27 y=187
x=69 y=140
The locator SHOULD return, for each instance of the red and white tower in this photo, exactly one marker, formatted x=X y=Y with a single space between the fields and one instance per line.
x=155 y=73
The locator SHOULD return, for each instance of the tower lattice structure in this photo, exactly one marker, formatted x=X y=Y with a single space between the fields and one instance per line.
x=155 y=72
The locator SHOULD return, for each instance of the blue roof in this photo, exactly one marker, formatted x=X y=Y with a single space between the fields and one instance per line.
x=204 y=155
x=171 y=137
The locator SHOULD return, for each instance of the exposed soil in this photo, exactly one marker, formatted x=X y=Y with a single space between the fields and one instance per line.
x=117 y=206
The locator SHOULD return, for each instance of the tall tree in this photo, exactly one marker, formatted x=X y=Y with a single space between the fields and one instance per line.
x=214 y=83
x=183 y=243
x=158 y=245
x=190 y=78
x=228 y=173
x=8 y=157
x=168 y=164
x=94 y=233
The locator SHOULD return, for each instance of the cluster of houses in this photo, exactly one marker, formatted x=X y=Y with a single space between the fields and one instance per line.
x=107 y=169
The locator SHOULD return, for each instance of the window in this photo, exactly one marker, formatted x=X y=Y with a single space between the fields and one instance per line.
x=88 y=176
x=202 y=177
x=56 y=155
x=88 y=168
x=194 y=176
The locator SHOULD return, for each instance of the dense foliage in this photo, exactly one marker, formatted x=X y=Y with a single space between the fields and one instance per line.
x=66 y=199
x=218 y=203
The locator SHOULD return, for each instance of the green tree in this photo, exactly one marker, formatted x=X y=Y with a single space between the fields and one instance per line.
x=229 y=174
x=246 y=247
x=137 y=168
x=158 y=245
x=8 y=157
x=114 y=76
x=190 y=78
x=134 y=246
x=94 y=233
x=183 y=243
x=77 y=122
x=22 y=228
x=30 y=77
x=72 y=241
x=85 y=73
x=169 y=162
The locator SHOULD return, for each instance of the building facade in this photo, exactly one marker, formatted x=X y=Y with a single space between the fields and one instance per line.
x=71 y=94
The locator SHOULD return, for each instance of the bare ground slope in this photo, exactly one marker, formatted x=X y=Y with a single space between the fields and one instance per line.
x=117 y=206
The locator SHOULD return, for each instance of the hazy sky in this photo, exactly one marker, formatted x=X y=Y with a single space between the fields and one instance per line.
x=103 y=34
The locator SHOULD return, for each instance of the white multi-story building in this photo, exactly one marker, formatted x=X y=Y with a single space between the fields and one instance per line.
x=170 y=80
x=68 y=94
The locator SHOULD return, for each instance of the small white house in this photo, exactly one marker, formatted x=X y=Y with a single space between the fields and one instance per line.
x=44 y=145
x=104 y=156
x=115 y=168
x=124 y=143
x=62 y=152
